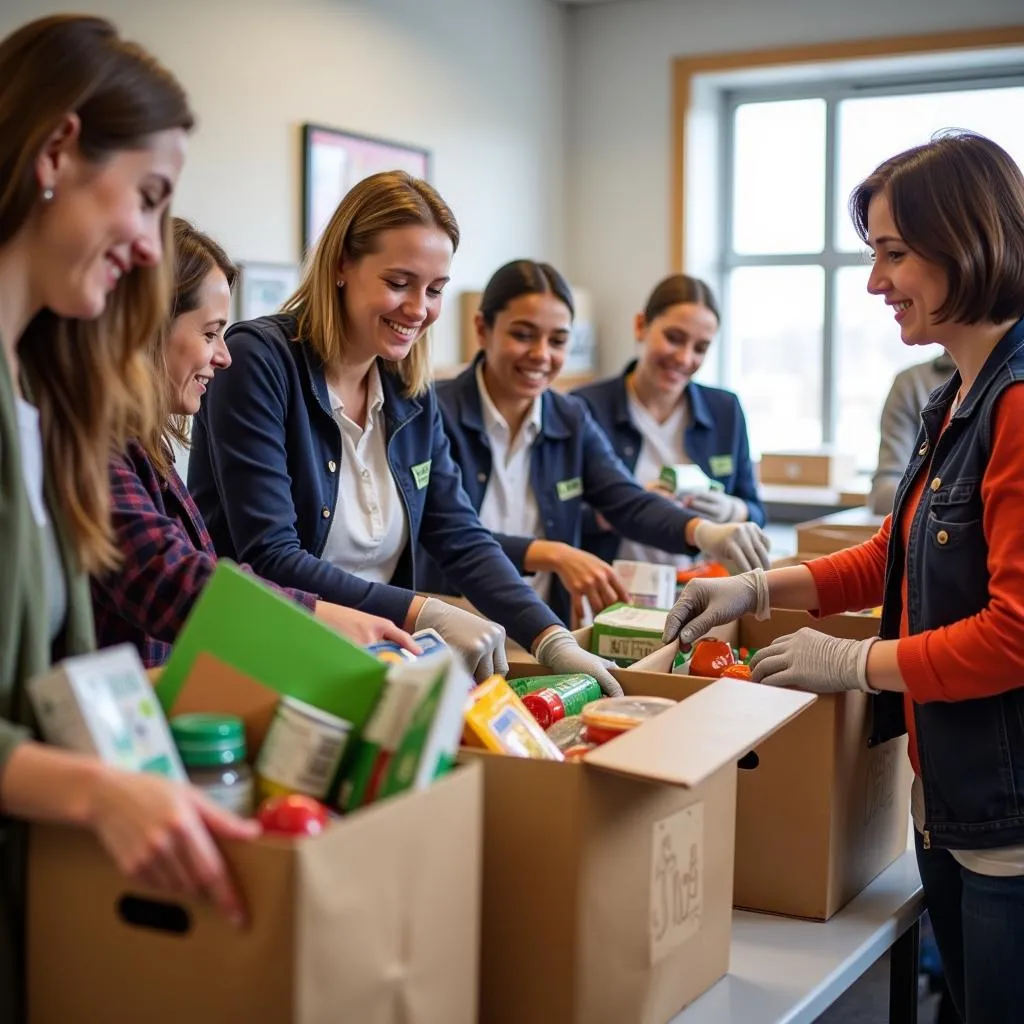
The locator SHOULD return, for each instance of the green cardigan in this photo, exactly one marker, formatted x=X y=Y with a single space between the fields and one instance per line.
x=24 y=651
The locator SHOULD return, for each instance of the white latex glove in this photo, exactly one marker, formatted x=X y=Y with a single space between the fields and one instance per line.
x=704 y=604
x=718 y=506
x=480 y=642
x=745 y=545
x=560 y=652
x=814 y=661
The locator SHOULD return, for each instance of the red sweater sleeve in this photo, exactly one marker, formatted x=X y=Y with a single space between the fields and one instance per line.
x=852 y=579
x=983 y=655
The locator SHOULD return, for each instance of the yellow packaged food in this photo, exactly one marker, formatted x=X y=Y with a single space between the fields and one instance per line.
x=497 y=720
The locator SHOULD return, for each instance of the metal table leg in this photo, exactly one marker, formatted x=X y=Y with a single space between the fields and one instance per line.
x=903 y=967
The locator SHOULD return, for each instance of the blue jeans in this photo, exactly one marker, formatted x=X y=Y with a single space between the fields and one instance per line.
x=978 y=922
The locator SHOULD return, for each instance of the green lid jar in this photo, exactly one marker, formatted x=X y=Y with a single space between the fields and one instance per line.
x=212 y=748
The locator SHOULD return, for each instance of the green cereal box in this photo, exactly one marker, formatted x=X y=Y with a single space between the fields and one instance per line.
x=624 y=633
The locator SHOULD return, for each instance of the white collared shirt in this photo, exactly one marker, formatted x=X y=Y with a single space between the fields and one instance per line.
x=370 y=531
x=661 y=445
x=509 y=504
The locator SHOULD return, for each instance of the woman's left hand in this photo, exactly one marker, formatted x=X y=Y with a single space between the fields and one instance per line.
x=809 y=660
x=361 y=628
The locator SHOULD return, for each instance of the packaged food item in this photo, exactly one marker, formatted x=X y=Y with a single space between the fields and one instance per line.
x=577 y=751
x=687 y=478
x=710 y=656
x=567 y=733
x=212 y=748
x=737 y=671
x=413 y=733
x=292 y=814
x=497 y=720
x=649 y=585
x=568 y=696
x=102 y=704
x=611 y=716
x=701 y=571
x=626 y=634
x=429 y=641
x=302 y=751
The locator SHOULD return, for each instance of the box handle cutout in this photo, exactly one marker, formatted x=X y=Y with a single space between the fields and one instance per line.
x=748 y=762
x=154 y=914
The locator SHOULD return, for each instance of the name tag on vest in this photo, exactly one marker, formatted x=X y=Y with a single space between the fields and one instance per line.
x=720 y=465
x=568 y=489
x=421 y=474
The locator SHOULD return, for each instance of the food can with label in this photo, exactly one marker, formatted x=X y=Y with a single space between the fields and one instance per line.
x=302 y=751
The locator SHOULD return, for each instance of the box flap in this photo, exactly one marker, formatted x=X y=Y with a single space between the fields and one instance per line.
x=688 y=743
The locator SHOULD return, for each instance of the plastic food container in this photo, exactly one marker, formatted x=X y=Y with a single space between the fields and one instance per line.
x=611 y=716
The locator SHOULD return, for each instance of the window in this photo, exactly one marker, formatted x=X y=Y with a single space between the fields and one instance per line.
x=809 y=352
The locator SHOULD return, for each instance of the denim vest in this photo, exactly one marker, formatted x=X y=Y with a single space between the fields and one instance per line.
x=972 y=751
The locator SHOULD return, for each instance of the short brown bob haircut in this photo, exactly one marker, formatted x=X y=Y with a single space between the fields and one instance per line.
x=958 y=202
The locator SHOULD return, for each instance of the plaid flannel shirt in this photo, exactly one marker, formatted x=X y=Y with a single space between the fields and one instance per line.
x=167 y=558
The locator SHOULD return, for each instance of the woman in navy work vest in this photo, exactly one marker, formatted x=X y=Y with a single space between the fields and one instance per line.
x=530 y=457
x=320 y=459
x=655 y=415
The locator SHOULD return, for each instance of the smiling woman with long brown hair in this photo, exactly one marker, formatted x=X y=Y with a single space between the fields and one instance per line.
x=92 y=140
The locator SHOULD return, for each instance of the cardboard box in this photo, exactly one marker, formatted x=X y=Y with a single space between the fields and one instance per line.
x=822 y=814
x=608 y=882
x=837 y=531
x=822 y=468
x=376 y=921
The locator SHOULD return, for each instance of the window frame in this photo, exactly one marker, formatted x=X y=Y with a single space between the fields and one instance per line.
x=832 y=91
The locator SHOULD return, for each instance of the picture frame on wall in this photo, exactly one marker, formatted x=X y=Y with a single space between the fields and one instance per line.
x=334 y=160
x=263 y=288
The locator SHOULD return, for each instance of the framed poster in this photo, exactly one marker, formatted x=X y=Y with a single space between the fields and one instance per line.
x=262 y=288
x=333 y=161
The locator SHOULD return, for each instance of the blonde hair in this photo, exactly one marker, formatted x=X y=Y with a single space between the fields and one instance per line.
x=391 y=199
x=90 y=379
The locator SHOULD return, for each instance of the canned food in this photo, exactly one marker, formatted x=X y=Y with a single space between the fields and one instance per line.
x=302 y=751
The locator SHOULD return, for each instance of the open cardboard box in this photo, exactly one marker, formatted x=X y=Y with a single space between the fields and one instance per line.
x=822 y=813
x=608 y=882
x=834 y=532
x=375 y=921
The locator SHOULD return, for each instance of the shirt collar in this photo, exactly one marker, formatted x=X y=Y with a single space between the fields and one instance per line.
x=493 y=419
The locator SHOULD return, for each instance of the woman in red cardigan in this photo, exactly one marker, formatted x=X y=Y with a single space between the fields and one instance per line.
x=945 y=224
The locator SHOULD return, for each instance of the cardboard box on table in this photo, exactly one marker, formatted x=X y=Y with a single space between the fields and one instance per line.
x=822 y=813
x=376 y=921
x=823 y=468
x=834 y=532
x=608 y=882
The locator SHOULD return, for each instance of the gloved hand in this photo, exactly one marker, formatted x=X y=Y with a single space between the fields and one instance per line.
x=560 y=652
x=705 y=604
x=480 y=642
x=718 y=506
x=813 y=661
x=745 y=545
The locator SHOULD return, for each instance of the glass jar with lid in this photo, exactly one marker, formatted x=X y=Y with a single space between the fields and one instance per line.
x=212 y=748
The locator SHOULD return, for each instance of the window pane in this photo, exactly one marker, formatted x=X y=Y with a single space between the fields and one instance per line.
x=775 y=329
x=779 y=154
x=869 y=353
x=873 y=129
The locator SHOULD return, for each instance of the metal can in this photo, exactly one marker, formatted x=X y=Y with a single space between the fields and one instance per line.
x=302 y=751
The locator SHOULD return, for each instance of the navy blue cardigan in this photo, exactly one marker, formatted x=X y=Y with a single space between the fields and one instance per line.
x=571 y=464
x=716 y=440
x=264 y=473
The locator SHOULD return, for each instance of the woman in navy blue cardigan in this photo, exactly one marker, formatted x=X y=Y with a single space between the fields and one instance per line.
x=655 y=414
x=531 y=458
x=320 y=459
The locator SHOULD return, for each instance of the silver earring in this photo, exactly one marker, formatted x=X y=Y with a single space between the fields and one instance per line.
x=341 y=284
x=47 y=195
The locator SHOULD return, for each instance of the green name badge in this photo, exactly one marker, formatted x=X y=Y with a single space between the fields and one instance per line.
x=720 y=465
x=421 y=474
x=568 y=489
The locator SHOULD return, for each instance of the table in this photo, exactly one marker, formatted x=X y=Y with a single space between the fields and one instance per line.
x=789 y=971
x=788 y=503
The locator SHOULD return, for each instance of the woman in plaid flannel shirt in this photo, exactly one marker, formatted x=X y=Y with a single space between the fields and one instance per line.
x=167 y=554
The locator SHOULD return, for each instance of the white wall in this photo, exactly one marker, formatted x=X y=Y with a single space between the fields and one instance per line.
x=481 y=84
x=620 y=130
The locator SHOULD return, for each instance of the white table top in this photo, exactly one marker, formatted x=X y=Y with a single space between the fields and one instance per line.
x=788 y=971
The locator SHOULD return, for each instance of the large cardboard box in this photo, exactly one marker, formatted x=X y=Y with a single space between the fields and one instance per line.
x=822 y=468
x=375 y=921
x=821 y=814
x=837 y=531
x=608 y=882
